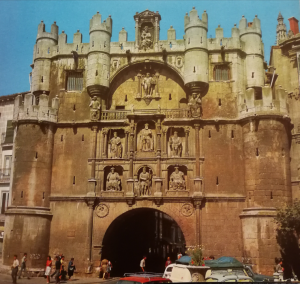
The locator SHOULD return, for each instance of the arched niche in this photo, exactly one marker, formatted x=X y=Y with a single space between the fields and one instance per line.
x=126 y=84
x=109 y=187
x=141 y=184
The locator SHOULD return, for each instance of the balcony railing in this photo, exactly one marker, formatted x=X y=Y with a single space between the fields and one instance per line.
x=5 y=175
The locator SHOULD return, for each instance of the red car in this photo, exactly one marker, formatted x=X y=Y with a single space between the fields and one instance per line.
x=137 y=278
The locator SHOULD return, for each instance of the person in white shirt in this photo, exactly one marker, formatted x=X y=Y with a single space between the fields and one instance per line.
x=14 y=269
x=143 y=264
x=23 y=266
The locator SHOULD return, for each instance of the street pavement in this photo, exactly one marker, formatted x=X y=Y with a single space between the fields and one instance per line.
x=6 y=279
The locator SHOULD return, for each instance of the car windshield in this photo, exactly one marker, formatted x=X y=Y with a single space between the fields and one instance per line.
x=169 y=269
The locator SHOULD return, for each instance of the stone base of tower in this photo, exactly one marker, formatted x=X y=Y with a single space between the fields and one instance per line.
x=27 y=229
x=259 y=238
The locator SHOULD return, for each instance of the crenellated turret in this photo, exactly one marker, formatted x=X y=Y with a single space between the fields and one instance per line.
x=196 y=53
x=41 y=58
x=99 y=56
x=250 y=34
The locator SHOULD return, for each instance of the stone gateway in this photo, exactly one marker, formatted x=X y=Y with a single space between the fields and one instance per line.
x=187 y=127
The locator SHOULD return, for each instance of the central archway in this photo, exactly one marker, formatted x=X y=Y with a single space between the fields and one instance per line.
x=138 y=233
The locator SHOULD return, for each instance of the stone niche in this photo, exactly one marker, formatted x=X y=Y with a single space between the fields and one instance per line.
x=146 y=180
x=116 y=144
x=176 y=142
x=113 y=185
x=176 y=188
x=146 y=139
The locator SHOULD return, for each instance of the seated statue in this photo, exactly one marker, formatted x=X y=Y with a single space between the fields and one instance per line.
x=175 y=145
x=177 y=181
x=113 y=180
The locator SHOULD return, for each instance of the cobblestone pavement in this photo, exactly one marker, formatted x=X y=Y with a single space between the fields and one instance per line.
x=5 y=279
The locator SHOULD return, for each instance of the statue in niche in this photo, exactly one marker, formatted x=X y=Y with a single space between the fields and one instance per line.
x=115 y=146
x=175 y=145
x=95 y=107
x=177 y=181
x=146 y=39
x=146 y=139
x=148 y=84
x=145 y=182
x=113 y=180
x=195 y=105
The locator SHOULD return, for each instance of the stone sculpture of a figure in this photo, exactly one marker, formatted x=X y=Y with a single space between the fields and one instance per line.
x=195 y=105
x=95 y=107
x=175 y=145
x=113 y=180
x=146 y=39
x=146 y=139
x=115 y=146
x=177 y=181
x=148 y=84
x=145 y=182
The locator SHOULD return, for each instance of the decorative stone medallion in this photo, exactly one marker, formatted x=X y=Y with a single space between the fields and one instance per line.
x=102 y=210
x=187 y=210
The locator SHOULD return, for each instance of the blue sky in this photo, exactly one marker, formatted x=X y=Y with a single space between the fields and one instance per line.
x=19 y=21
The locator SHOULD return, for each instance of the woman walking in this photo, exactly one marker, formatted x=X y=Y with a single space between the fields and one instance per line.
x=71 y=268
x=48 y=268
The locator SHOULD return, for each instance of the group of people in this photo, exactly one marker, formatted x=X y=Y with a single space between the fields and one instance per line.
x=59 y=273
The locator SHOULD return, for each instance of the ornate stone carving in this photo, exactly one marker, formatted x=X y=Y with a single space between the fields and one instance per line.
x=144 y=183
x=116 y=147
x=102 y=210
x=146 y=139
x=148 y=84
x=146 y=39
x=179 y=62
x=113 y=181
x=177 y=181
x=175 y=145
x=95 y=107
x=187 y=210
x=195 y=105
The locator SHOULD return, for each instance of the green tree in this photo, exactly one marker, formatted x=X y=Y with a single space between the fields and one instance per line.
x=288 y=235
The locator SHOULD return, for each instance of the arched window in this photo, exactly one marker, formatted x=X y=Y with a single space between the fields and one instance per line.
x=221 y=73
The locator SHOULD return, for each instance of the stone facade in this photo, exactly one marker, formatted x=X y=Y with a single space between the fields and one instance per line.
x=220 y=177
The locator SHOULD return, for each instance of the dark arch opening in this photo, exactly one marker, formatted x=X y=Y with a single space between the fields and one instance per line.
x=138 y=233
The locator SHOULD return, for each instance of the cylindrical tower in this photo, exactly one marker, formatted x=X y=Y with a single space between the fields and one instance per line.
x=42 y=58
x=196 y=53
x=250 y=35
x=98 y=65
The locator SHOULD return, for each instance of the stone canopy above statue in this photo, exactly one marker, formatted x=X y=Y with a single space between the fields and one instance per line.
x=147 y=30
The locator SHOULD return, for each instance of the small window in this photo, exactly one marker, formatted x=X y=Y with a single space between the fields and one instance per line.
x=74 y=81
x=257 y=93
x=221 y=73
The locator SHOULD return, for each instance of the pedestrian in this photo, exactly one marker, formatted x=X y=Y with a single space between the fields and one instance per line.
x=179 y=255
x=62 y=269
x=14 y=269
x=23 y=266
x=48 y=268
x=109 y=267
x=57 y=269
x=143 y=264
x=71 y=268
x=168 y=262
x=54 y=273
x=104 y=264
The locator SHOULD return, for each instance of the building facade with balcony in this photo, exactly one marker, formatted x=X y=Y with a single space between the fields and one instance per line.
x=194 y=128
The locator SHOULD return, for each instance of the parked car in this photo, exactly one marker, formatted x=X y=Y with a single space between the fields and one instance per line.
x=185 y=273
x=143 y=277
x=219 y=277
x=258 y=277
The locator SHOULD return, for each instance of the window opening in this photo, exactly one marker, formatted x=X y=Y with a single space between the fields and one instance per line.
x=232 y=133
x=75 y=81
x=36 y=155
x=125 y=98
x=22 y=194
x=62 y=138
x=73 y=179
x=257 y=152
x=271 y=195
x=217 y=181
x=42 y=79
x=209 y=134
x=252 y=74
x=74 y=107
x=194 y=69
x=221 y=73
x=170 y=97
x=43 y=195
x=220 y=102
x=82 y=138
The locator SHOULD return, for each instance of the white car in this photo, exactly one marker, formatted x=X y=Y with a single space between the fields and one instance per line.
x=168 y=270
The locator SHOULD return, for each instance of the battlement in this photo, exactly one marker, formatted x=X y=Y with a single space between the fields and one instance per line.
x=26 y=108
x=193 y=20
x=97 y=25
x=42 y=34
x=251 y=27
x=262 y=102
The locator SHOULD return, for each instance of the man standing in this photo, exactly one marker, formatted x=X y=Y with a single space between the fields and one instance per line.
x=143 y=264
x=168 y=262
x=23 y=266
x=14 y=269
x=57 y=269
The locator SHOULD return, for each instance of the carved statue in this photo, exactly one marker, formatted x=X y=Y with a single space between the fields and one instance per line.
x=146 y=139
x=145 y=182
x=148 y=84
x=116 y=146
x=95 y=107
x=146 y=39
x=175 y=145
x=177 y=181
x=113 y=180
x=195 y=105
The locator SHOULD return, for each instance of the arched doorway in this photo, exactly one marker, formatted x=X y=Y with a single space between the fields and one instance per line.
x=138 y=233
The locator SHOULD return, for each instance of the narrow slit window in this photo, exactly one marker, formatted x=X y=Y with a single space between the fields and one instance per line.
x=42 y=79
x=271 y=195
x=170 y=97
x=22 y=194
x=189 y=41
x=96 y=72
x=75 y=81
x=232 y=134
x=36 y=155
x=74 y=107
x=74 y=180
x=209 y=134
x=82 y=138
x=194 y=69
x=38 y=51
x=217 y=181
x=252 y=74
x=125 y=98
x=43 y=195
x=257 y=152
x=170 y=44
x=220 y=102
x=92 y=43
x=48 y=50
x=62 y=138
x=77 y=47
